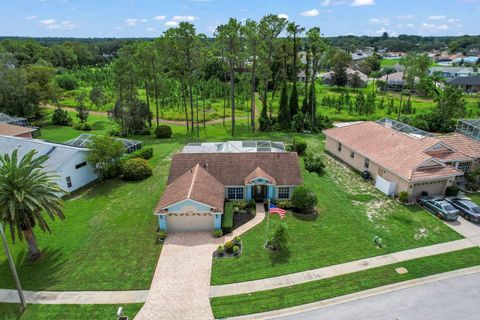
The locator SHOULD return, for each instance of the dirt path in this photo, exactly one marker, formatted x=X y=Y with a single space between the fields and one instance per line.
x=164 y=121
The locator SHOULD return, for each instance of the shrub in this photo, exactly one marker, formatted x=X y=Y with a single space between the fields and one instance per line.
x=144 y=153
x=227 y=218
x=163 y=132
x=67 y=82
x=104 y=154
x=237 y=240
x=279 y=239
x=136 y=169
x=304 y=200
x=299 y=145
x=236 y=250
x=61 y=117
x=218 y=233
x=82 y=126
x=403 y=197
x=162 y=235
x=229 y=246
x=452 y=191
x=220 y=250
x=297 y=122
x=313 y=162
x=284 y=204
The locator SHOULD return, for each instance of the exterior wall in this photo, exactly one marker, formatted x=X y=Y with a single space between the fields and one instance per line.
x=25 y=135
x=79 y=177
x=188 y=206
x=162 y=222
x=217 y=221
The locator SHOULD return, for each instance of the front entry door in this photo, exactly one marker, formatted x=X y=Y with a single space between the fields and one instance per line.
x=259 y=192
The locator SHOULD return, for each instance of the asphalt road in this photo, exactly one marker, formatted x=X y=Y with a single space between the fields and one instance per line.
x=452 y=299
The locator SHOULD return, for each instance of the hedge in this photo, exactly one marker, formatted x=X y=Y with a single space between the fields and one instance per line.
x=227 y=217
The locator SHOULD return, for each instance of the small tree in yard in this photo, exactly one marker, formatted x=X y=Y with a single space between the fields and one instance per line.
x=104 y=153
x=97 y=97
x=27 y=193
x=82 y=111
x=278 y=241
x=304 y=200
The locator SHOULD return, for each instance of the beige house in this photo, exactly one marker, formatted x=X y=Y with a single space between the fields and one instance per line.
x=400 y=161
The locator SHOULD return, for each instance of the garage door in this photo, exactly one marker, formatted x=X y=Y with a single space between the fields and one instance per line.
x=190 y=223
x=434 y=188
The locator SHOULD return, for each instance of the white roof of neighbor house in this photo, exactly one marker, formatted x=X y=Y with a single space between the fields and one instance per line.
x=57 y=153
x=452 y=69
x=234 y=146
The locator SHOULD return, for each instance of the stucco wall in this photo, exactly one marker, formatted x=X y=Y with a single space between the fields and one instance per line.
x=79 y=177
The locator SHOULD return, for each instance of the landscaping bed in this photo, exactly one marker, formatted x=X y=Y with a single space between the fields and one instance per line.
x=262 y=301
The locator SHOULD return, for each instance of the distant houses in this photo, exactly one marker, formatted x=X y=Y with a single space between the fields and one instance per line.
x=469 y=84
x=352 y=75
x=453 y=72
x=394 y=81
x=15 y=131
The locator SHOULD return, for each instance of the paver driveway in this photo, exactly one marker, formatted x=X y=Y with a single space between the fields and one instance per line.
x=181 y=283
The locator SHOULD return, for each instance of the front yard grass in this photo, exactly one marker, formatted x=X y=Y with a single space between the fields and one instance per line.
x=332 y=287
x=352 y=213
x=11 y=311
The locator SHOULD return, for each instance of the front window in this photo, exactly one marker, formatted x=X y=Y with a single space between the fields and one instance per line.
x=69 y=182
x=464 y=166
x=339 y=147
x=283 y=193
x=235 y=193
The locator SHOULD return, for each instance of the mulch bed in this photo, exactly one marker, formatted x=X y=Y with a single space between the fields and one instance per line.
x=241 y=218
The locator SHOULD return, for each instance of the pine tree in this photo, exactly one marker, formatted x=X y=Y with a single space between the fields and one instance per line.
x=284 y=115
x=294 y=101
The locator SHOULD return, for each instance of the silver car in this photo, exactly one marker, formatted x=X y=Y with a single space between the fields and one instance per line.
x=468 y=209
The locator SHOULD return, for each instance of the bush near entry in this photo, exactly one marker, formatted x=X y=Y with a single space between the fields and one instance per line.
x=163 y=132
x=227 y=217
x=299 y=145
x=136 y=169
x=304 y=200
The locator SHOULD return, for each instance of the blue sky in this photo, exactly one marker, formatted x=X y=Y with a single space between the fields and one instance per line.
x=148 y=18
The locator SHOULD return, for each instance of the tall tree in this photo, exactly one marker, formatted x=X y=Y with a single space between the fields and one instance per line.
x=294 y=30
x=252 y=39
x=230 y=39
x=27 y=193
x=317 y=47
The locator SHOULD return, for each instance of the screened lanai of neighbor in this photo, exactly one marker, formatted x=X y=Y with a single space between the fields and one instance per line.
x=83 y=140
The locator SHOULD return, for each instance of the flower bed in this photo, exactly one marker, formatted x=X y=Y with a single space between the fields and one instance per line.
x=230 y=249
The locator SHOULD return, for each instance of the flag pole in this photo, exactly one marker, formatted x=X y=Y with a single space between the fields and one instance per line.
x=268 y=220
x=12 y=267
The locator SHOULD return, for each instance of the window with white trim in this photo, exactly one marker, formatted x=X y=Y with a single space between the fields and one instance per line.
x=235 y=193
x=283 y=192
x=339 y=148
x=464 y=166
x=367 y=163
x=69 y=182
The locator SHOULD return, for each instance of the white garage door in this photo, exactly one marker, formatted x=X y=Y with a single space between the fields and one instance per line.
x=190 y=223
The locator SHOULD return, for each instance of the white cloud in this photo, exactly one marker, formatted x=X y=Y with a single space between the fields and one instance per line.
x=144 y=20
x=184 y=18
x=432 y=27
x=283 y=15
x=30 y=17
x=310 y=13
x=437 y=17
x=150 y=29
x=381 y=31
x=361 y=3
x=48 y=22
x=405 y=16
x=131 y=22
x=409 y=25
x=159 y=17
x=171 y=23
x=383 y=21
x=328 y=3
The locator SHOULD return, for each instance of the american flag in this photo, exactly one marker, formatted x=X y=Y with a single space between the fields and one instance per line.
x=274 y=209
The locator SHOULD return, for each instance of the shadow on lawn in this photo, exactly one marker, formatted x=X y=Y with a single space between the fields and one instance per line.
x=36 y=275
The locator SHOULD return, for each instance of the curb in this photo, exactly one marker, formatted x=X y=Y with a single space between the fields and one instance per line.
x=359 y=295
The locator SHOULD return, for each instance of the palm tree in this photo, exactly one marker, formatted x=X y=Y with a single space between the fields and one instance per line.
x=27 y=192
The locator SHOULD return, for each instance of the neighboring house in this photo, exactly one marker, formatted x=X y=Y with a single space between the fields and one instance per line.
x=18 y=121
x=394 y=81
x=15 y=131
x=83 y=141
x=452 y=72
x=327 y=78
x=467 y=84
x=360 y=55
x=198 y=183
x=410 y=160
x=69 y=163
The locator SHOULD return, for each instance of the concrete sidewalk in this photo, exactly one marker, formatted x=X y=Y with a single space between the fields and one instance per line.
x=339 y=269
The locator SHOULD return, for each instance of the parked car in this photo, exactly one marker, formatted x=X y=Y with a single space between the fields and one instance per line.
x=468 y=209
x=440 y=207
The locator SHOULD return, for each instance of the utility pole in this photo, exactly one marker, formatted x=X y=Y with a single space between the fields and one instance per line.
x=12 y=267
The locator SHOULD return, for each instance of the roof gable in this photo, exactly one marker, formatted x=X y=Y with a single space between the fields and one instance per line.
x=259 y=173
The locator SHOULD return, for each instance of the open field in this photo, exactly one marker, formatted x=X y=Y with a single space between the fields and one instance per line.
x=328 y=288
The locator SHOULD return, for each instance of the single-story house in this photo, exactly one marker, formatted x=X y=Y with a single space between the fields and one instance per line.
x=469 y=84
x=18 y=121
x=327 y=78
x=69 y=163
x=394 y=81
x=400 y=161
x=199 y=183
x=15 y=131
x=452 y=72
x=235 y=146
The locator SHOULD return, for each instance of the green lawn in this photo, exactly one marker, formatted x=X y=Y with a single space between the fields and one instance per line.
x=10 y=311
x=332 y=287
x=352 y=213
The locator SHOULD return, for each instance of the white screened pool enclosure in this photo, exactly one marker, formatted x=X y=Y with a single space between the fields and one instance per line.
x=83 y=140
x=469 y=127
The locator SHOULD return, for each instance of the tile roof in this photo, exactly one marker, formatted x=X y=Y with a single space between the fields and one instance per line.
x=13 y=130
x=397 y=152
x=231 y=169
x=465 y=81
x=463 y=144
x=259 y=173
x=195 y=184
